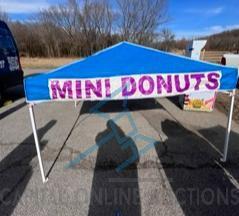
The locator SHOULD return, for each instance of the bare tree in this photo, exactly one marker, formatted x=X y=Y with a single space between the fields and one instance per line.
x=85 y=28
x=167 y=39
x=81 y=27
x=139 y=19
x=60 y=23
x=97 y=21
x=64 y=16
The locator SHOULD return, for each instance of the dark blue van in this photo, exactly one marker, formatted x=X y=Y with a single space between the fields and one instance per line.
x=11 y=73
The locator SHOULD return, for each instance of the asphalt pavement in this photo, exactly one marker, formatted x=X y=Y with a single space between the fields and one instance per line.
x=144 y=157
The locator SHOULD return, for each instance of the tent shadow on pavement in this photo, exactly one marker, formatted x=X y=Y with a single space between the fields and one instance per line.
x=16 y=170
x=200 y=184
x=114 y=192
x=216 y=136
x=12 y=110
x=117 y=106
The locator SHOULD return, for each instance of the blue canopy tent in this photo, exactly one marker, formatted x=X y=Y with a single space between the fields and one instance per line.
x=128 y=71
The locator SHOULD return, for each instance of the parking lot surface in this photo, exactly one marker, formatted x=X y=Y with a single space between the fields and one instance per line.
x=146 y=157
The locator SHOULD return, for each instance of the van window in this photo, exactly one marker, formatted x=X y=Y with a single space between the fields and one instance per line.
x=6 y=41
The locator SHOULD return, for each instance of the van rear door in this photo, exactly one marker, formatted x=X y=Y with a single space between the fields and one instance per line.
x=8 y=51
x=10 y=71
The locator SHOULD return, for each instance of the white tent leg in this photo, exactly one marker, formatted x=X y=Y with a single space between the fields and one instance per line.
x=229 y=124
x=44 y=179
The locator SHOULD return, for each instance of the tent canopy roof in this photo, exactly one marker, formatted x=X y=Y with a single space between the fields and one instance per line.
x=126 y=59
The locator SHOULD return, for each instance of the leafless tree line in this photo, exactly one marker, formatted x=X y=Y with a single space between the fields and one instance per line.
x=81 y=27
x=227 y=40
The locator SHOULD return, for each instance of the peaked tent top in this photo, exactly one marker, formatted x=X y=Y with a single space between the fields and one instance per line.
x=126 y=59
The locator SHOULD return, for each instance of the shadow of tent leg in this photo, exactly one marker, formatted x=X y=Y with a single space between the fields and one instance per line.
x=216 y=135
x=16 y=171
x=201 y=188
x=12 y=110
x=112 y=192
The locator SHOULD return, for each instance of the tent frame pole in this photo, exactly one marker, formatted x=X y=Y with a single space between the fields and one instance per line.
x=229 y=124
x=33 y=122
